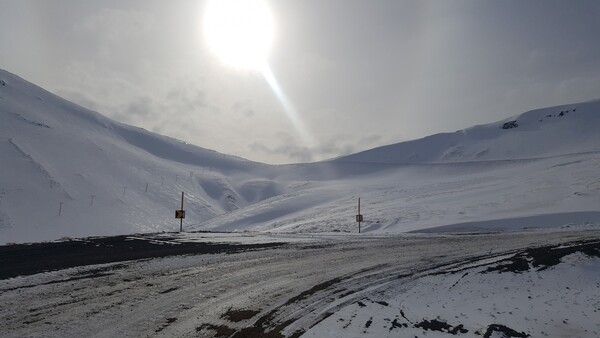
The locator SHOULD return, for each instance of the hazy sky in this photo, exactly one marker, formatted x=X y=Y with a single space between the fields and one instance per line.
x=358 y=74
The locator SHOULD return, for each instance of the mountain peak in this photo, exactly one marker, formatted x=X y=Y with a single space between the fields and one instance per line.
x=559 y=130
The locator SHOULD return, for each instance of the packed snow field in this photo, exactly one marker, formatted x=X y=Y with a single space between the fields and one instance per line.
x=541 y=292
x=536 y=283
x=490 y=231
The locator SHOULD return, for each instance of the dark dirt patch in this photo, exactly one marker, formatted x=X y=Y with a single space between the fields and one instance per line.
x=347 y=293
x=441 y=326
x=544 y=257
x=361 y=304
x=403 y=316
x=220 y=330
x=507 y=331
x=383 y=303
x=262 y=328
x=368 y=323
x=327 y=315
x=459 y=329
x=313 y=290
x=168 y=290
x=239 y=315
x=28 y=259
x=434 y=325
x=397 y=324
x=516 y=264
x=267 y=326
x=165 y=325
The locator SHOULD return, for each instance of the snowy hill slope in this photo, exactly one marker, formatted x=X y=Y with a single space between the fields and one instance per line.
x=538 y=133
x=477 y=196
x=105 y=178
x=537 y=169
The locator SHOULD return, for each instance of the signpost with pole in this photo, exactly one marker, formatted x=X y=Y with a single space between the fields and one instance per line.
x=180 y=214
x=359 y=217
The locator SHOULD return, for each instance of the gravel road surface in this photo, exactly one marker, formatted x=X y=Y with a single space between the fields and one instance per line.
x=268 y=290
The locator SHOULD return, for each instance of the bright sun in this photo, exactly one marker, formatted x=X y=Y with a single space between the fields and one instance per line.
x=239 y=32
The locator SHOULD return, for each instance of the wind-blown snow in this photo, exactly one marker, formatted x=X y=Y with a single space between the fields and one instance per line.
x=109 y=178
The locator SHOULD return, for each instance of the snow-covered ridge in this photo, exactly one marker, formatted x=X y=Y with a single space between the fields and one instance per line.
x=38 y=107
x=69 y=171
x=104 y=177
x=560 y=130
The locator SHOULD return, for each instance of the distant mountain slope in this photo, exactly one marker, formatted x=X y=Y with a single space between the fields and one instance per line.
x=105 y=177
x=30 y=105
x=560 y=130
x=69 y=171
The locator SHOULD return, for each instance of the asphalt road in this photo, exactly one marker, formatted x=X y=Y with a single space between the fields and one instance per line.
x=28 y=259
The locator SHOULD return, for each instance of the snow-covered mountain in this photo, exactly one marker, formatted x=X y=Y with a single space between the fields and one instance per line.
x=538 y=133
x=104 y=177
x=534 y=170
x=69 y=171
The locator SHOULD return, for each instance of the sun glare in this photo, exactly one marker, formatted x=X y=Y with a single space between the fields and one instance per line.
x=239 y=32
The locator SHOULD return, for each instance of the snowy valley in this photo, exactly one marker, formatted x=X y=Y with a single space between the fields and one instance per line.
x=107 y=178
x=490 y=231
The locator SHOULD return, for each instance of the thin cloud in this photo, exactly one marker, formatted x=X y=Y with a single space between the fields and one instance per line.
x=358 y=74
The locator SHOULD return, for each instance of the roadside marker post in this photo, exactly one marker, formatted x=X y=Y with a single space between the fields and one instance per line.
x=359 y=217
x=180 y=214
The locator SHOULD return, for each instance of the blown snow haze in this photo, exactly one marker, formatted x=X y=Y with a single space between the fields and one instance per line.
x=69 y=171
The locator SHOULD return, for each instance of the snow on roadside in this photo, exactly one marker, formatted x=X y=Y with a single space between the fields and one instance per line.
x=516 y=297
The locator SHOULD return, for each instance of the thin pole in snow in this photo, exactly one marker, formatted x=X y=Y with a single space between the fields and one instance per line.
x=124 y=189
x=146 y=187
x=359 y=215
x=92 y=201
x=181 y=219
x=59 y=207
